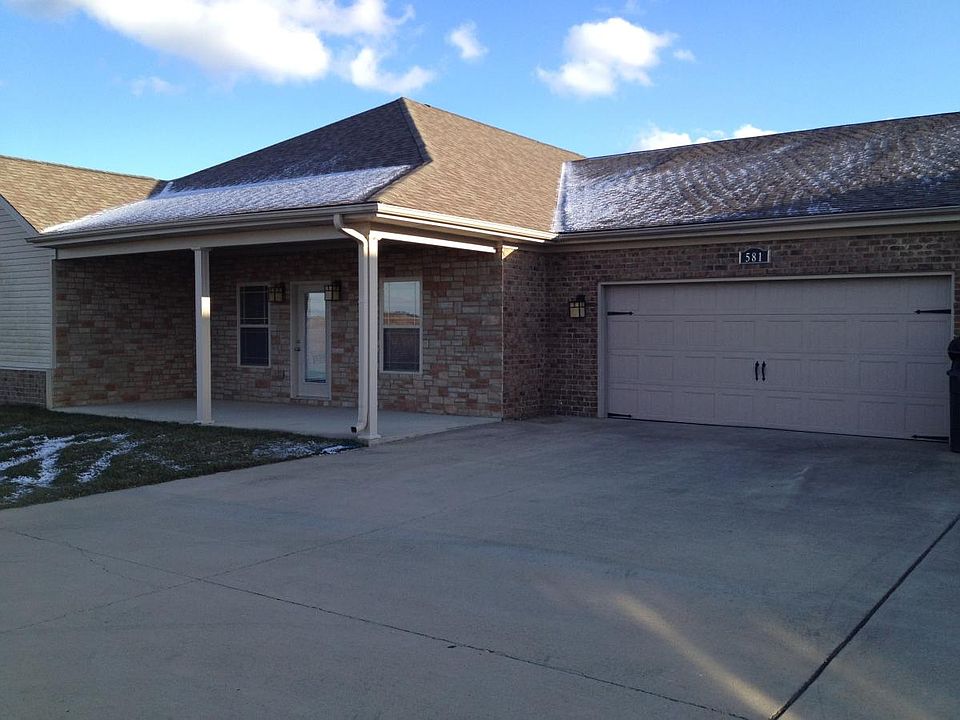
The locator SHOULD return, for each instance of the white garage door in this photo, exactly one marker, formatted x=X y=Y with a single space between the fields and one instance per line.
x=863 y=356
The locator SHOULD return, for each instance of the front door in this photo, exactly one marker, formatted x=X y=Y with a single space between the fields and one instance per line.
x=311 y=342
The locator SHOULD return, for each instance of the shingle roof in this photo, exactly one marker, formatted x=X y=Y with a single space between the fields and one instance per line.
x=912 y=163
x=479 y=171
x=46 y=194
x=402 y=153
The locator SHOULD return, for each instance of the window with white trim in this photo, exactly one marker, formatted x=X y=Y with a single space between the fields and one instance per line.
x=254 y=325
x=401 y=326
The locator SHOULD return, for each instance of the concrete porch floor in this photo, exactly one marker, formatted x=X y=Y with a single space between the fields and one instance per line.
x=318 y=421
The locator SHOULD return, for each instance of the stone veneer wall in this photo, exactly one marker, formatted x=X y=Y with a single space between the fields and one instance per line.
x=23 y=387
x=124 y=329
x=462 y=336
x=572 y=351
x=526 y=333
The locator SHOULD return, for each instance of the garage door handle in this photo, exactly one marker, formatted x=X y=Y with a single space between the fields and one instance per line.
x=756 y=368
x=763 y=370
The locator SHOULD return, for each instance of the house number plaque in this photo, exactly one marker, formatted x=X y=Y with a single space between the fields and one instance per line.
x=754 y=256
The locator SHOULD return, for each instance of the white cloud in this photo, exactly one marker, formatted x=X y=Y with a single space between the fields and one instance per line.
x=748 y=130
x=365 y=72
x=685 y=55
x=464 y=38
x=655 y=138
x=277 y=40
x=153 y=84
x=603 y=54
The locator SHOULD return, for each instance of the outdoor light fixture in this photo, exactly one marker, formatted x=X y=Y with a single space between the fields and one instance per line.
x=278 y=293
x=331 y=291
x=578 y=307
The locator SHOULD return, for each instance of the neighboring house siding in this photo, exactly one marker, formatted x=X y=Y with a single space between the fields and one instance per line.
x=461 y=343
x=572 y=377
x=124 y=329
x=526 y=332
x=25 y=292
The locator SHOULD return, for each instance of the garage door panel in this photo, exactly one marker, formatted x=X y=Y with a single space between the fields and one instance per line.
x=738 y=333
x=623 y=367
x=927 y=378
x=880 y=335
x=780 y=335
x=735 y=371
x=656 y=334
x=698 y=334
x=657 y=368
x=842 y=355
x=886 y=374
x=623 y=334
x=926 y=335
x=735 y=409
x=826 y=336
x=827 y=374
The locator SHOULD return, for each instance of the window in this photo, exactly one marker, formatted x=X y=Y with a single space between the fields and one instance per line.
x=401 y=326
x=254 y=330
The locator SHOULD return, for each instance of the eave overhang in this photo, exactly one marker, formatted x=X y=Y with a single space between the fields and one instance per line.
x=899 y=221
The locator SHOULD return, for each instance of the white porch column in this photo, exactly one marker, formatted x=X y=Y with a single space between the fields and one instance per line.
x=201 y=293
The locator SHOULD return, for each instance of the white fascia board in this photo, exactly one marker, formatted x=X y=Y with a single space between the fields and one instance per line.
x=460 y=225
x=435 y=242
x=198 y=242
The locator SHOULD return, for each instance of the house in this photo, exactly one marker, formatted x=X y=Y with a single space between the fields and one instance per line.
x=408 y=258
x=35 y=195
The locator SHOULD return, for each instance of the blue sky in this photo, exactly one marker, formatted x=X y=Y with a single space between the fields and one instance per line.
x=166 y=87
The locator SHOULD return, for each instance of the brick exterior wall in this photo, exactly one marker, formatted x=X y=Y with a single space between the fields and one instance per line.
x=124 y=329
x=571 y=354
x=461 y=331
x=527 y=332
x=23 y=387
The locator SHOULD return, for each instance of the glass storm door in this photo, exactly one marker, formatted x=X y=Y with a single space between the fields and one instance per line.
x=312 y=344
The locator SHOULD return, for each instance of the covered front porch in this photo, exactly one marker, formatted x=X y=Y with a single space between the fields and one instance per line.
x=158 y=331
x=329 y=422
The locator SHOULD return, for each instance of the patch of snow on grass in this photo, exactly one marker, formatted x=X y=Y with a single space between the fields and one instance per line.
x=47 y=451
x=103 y=462
x=290 y=450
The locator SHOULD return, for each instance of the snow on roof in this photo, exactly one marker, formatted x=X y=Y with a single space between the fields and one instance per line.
x=887 y=165
x=170 y=205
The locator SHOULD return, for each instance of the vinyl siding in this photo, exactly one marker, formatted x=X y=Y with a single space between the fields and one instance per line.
x=26 y=314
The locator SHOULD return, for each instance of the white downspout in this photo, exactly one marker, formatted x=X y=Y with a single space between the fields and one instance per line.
x=363 y=317
x=201 y=291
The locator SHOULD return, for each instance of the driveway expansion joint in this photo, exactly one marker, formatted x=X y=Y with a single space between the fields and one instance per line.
x=451 y=644
x=863 y=621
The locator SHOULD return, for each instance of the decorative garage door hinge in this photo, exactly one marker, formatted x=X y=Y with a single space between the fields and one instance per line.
x=940 y=311
x=619 y=415
x=619 y=312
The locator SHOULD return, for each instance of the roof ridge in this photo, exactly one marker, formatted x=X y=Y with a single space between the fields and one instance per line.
x=414 y=130
x=771 y=135
x=408 y=101
x=79 y=167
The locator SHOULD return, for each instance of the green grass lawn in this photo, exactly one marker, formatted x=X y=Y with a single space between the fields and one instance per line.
x=47 y=456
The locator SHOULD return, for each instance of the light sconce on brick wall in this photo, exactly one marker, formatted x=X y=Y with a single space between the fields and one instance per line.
x=278 y=293
x=331 y=291
x=578 y=307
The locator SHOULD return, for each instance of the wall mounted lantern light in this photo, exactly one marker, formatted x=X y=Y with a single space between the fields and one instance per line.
x=578 y=307
x=278 y=293
x=331 y=291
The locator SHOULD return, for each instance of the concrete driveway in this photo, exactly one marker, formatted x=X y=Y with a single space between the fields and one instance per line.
x=546 y=569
